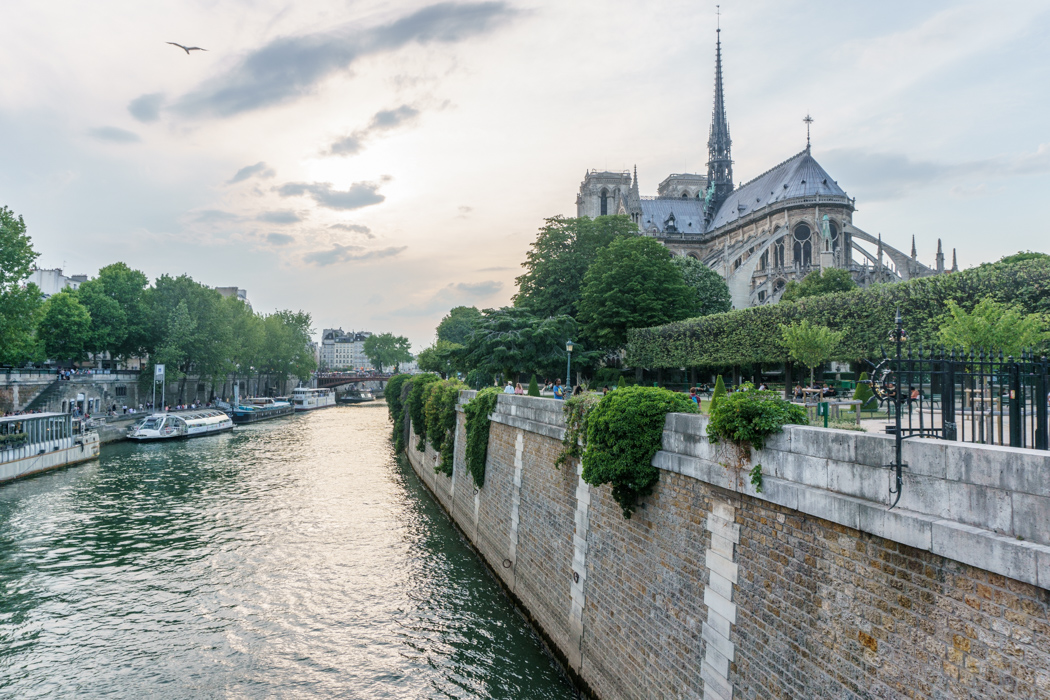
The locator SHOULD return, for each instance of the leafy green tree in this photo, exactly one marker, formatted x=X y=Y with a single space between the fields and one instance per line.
x=817 y=284
x=176 y=348
x=128 y=288
x=286 y=346
x=810 y=344
x=718 y=394
x=1024 y=256
x=441 y=357
x=65 y=327
x=109 y=326
x=20 y=303
x=993 y=326
x=458 y=324
x=387 y=350
x=512 y=340
x=863 y=392
x=559 y=258
x=632 y=284
x=712 y=290
x=534 y=387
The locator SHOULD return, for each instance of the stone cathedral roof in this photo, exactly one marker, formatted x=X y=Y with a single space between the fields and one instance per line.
x=798 y=176
x=688 y=214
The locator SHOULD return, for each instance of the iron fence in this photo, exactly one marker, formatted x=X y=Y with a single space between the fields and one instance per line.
x=979 y=397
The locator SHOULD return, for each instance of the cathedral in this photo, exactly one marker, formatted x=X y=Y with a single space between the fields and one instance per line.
x=789 y=221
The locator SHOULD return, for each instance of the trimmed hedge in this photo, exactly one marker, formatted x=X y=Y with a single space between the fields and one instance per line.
x=866 y=317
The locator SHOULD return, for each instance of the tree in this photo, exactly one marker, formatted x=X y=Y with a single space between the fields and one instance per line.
x=442 y=357
x=20 y=303
x=1024 y=256
x=65 y=327
x=711 y=289
x=534 y=387
x=993 y=326
x=387 y=350
x=718 y=394
x=127 y=287
x=809 y=344
x=458 y=324
x=109 y=325
x=511 y=340
x=863 y=392
x=818 y=283
x=559 y=259
x=632 y=284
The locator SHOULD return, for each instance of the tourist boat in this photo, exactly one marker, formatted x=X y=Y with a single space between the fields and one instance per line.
x=167 y=426
x=306 y=399
x=255 y=410
x=36 y=442
x=356 y=396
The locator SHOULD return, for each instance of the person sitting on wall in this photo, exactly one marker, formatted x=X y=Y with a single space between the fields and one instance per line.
x=509 y=389
x=798 y=392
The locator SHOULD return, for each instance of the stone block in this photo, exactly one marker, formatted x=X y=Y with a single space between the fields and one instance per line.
x=783 y=493
x=802 y=469
x=859 y=481
x=715 y=684
x=1042 y=556
x=721 y=585
x=1031 y=517
x=837 y=445
x=874 y=450
x=718 y=624
x=986 y=550
x=988 y=508
x=1007 y=468
x=723 y=567
x=906 y=527
x=830 y=506
x=718 y=641
x=925 y=456
x=718 y=661
x=924 y=494
x=724 y=528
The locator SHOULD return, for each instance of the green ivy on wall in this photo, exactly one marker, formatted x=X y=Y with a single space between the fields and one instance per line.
x=417 y=406
x=440 y=410
x=477 y=412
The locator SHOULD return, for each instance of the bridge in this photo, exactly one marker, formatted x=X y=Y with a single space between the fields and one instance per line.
x=330 y=380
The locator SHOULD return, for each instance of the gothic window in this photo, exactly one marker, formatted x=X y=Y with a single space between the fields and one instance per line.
x=685 y=195
x=778 y=253
x=834 y=235
x=763 y=262
x=670 y=226
x=803 y=248
x=605 y=202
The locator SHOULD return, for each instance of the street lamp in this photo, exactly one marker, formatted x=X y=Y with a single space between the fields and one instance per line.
x=568 y=364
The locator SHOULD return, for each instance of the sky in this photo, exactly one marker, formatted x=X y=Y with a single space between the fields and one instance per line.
x=377 y=163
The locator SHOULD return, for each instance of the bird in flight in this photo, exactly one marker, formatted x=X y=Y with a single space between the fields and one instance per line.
x=187 y=49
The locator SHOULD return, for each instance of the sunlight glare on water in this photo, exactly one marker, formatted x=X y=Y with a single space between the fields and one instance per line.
x=293 y=558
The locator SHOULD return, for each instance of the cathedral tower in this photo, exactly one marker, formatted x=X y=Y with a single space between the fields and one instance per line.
x=719 y=160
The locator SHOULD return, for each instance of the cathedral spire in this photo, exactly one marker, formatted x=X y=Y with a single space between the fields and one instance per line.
x=955 y=262
x=914 y=252
x=940 y=258
x=719 y=160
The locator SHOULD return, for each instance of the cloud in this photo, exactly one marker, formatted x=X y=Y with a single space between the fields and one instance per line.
x=885 y=176
x=248 y=171
x=146 y=108
x=213 y=216
x=463 y=211
x=354 y=228
x=360 y=194
x=383 y=120
x=279 y=238
x=449 y=296
x=289 y=67
x=278 y=217
x=495 y=269
x=349 y=253
x=114 y=134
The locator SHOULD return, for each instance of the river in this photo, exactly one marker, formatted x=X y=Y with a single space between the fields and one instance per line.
x=295 y=558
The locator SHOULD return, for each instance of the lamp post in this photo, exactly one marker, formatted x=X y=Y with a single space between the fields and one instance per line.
x=568 y=364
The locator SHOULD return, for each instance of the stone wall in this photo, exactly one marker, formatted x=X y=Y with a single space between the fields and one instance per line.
x=808 y=589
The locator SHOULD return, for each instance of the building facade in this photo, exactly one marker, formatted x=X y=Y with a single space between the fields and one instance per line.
x=340 y=350
x=789 y=221
x=52 y=281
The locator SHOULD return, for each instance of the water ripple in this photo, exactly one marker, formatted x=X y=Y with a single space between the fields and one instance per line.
x=293 y=559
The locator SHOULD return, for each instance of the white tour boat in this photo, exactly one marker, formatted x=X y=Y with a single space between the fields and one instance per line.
x=166 y=426
x=306 y=399
x=36 y=442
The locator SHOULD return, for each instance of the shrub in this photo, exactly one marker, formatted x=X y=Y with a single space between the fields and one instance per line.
x=392 y=392
x=845 y=424
x=748 y=416
x=621 y=383
x=576 y=411
x=750 y=336
x=863 y=392
x=14 y=439
x=440 y=411
x=534 y=387
x=624 y=431
x=477 y=411
x=718 y=394
x=417 y=406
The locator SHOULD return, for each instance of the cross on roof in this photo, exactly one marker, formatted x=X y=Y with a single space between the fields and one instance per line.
x=808 y=120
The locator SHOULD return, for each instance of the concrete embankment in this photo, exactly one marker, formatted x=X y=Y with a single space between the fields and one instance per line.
x=810 y=588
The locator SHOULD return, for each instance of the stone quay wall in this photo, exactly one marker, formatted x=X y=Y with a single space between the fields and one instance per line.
x=810 y=588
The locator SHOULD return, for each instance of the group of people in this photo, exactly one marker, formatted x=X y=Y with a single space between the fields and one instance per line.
x=557 y=389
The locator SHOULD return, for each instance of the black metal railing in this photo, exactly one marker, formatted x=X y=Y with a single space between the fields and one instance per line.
x=976 y=396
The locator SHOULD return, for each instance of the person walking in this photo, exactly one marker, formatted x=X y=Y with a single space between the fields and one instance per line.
x=559 y=390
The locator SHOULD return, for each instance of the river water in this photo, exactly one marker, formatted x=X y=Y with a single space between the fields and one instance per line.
x=291 y=559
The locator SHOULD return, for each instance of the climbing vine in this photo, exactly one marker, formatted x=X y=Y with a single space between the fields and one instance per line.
x=440 y=411
x=576 y=410
x=477 y=412
x=624 y=432
x=417 y=406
